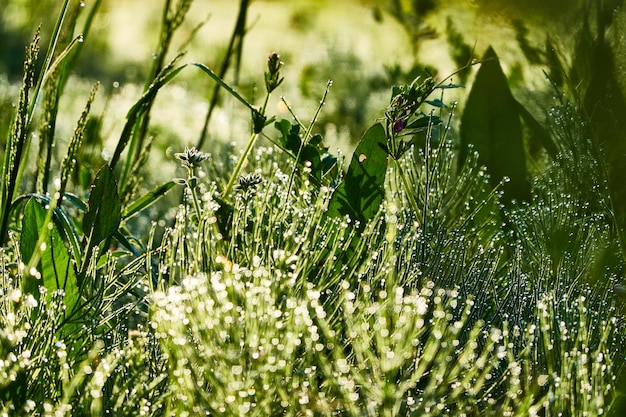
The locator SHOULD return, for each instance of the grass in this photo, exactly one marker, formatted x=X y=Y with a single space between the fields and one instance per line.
x=272 y=278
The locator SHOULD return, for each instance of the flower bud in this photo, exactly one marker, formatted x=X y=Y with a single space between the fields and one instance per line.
x=272 y=75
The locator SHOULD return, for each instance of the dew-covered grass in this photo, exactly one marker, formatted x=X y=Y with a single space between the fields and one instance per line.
x=273 y=320
x=141 y=276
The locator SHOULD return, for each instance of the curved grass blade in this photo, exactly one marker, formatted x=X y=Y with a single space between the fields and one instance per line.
x=49 y=57
x=147 y=199
x=224 y=85
x=139 y=108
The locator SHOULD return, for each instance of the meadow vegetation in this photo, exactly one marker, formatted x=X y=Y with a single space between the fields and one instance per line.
x=466 y=260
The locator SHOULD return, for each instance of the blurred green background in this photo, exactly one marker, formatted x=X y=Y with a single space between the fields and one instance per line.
x=364 y=46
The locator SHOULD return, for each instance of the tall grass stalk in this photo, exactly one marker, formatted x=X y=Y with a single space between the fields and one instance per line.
x=55 y=81
x=17 y=140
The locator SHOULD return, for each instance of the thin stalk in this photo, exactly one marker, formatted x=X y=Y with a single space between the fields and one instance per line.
x=290 y=110
x=406 y=184
x=19 y=140
x=253 y=137
x=54 y=81
x=429 y=135
x=137 y=132
x=196 y=204
x=240 y=163
x=307 y=135
x=237 y=37
x=169 y=24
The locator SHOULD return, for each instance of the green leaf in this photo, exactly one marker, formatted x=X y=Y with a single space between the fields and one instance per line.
x=597 y=74
x=147 y=199
x=56 y=266
x=424 y=122
x=362 y=191
x=491 y=123
x=437 y=103
x=61 y=218
x=103 y=215
x=291 y=140
x=225 y=85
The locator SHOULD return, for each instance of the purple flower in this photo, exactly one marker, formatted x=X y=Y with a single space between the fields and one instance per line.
x=398 y=125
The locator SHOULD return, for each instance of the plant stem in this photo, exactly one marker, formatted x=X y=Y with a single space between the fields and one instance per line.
x=307 y=135
x=246 y=151
x=410 y=196
x=240 y=163
x=236 y=38
x=194 y=196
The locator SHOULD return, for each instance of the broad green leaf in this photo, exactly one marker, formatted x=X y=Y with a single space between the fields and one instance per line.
x=103 y=215
x=362 y=191
x=61 y=218
x=56 y=266
x=491 y=123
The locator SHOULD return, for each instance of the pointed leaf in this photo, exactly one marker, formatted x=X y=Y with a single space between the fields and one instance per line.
x=61 y=218
x=139 y=108
x=451 y=85
x=147 y=199
x=491 y=123
x=225 y=85
x=437 y=103
x=103 y=215
x=424 y=121
x=362 y=191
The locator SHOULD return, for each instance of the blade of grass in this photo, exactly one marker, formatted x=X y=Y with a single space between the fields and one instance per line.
x=147 y=199
x=135 y=113
x=170 y=22
x=237 y=37
x=54 y=83
x=49 y=57
x=224 y=85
